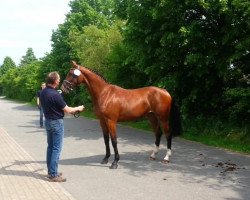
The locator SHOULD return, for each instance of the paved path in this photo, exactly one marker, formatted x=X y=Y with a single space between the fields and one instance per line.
x=196 y=171
x=21 y=177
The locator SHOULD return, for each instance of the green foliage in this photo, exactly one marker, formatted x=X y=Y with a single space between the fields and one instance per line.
x=21 y=82
x=28 y=58
x=197 y=50
x=193 y=42
x=83 y=13
x=8 y=63
x=79 y=96
x=121 y=72
x=238 y=107
x=214 y=132
x=90 y=12
x=92 y=46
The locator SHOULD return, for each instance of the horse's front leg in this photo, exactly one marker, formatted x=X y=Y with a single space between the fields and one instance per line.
x=117 y=156
x=106 y=141
x=112 y=131
x=106 y=158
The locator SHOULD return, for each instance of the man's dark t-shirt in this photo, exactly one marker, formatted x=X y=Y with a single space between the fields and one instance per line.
x=52 y=103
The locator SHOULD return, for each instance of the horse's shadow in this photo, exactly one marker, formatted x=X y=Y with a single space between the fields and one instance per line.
x=130 y=163
x=191 y=166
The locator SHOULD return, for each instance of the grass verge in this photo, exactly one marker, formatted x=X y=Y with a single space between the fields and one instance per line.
x=209 y=132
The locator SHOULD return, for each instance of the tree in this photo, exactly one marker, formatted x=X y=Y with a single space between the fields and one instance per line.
x=188 y=47
x=83 y=13
x=8 y=63
x=28 y=58
x=21 y=82
x=93 y=45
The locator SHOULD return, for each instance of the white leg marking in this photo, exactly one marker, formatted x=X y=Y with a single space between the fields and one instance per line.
x=155 y=151
x=168 y=154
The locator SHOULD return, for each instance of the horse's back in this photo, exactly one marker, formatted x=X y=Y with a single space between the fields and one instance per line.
x=151 y=94
x=135 y=103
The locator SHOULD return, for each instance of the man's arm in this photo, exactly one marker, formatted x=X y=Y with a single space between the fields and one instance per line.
x=72 y=110
x=38 y=102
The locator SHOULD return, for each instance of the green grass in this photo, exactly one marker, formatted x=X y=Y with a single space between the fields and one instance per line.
x=209 y=132
x=222 y=141
x=88 y=114
x=139 y=124
x=213 y=132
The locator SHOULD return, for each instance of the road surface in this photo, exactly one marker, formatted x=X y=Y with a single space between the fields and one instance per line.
x=196 y=171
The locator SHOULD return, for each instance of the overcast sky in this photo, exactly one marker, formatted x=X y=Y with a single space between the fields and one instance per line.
x=28 y=24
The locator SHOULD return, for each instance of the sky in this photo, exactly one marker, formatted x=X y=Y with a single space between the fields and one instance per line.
x=29 y=24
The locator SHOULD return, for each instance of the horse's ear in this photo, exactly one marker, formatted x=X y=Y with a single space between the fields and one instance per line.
x=73 y=63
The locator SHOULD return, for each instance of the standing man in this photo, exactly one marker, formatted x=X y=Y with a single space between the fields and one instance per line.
x=54 y=107
x=38 y=102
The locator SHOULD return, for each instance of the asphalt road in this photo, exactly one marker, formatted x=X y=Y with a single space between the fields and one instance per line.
x=196 y=171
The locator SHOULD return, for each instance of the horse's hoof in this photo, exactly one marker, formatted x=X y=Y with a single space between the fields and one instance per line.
x=113 y=166
x=151 y=158
x=165 y=161
x=104 y=161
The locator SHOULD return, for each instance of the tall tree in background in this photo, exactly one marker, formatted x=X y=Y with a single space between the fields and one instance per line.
x=8 y=63
x=21 y=82
x=83 y=13
x=191 y=46
x=93 y=45
x=28 y=58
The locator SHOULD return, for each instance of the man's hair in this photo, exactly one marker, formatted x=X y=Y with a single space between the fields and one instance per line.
x=52 y=77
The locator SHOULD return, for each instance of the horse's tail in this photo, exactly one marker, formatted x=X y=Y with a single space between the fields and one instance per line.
x=175 y=119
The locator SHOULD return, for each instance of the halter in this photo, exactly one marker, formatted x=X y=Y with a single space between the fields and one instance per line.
x=67 y=84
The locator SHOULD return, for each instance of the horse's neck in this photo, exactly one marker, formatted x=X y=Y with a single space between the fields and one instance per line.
x=94 y=83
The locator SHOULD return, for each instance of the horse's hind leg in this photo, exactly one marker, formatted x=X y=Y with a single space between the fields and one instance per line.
x=158 y=133
x=165 y=126
x=106 y=141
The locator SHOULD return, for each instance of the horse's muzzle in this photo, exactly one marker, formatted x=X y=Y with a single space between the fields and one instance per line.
x=67 y=86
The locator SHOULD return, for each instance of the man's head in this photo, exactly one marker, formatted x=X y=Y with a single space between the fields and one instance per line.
x=53 y=79
x=43 y=85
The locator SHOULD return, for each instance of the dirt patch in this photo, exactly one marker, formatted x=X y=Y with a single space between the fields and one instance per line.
x=227 y=167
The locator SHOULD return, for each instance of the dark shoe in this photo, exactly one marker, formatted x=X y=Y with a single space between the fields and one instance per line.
x=57 y=179
x=59 y=174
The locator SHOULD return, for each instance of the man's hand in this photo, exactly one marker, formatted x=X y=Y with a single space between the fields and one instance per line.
x=81 y=108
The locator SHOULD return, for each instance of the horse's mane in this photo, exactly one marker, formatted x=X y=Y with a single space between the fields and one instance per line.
x=97 y=73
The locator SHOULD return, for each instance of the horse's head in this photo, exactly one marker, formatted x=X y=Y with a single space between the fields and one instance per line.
x=73 y=78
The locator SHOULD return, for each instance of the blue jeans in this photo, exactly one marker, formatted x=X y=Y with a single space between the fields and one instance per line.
x=41 y=116
x=55 y=133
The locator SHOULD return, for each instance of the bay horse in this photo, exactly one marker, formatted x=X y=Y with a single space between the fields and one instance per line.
x=112 y=104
